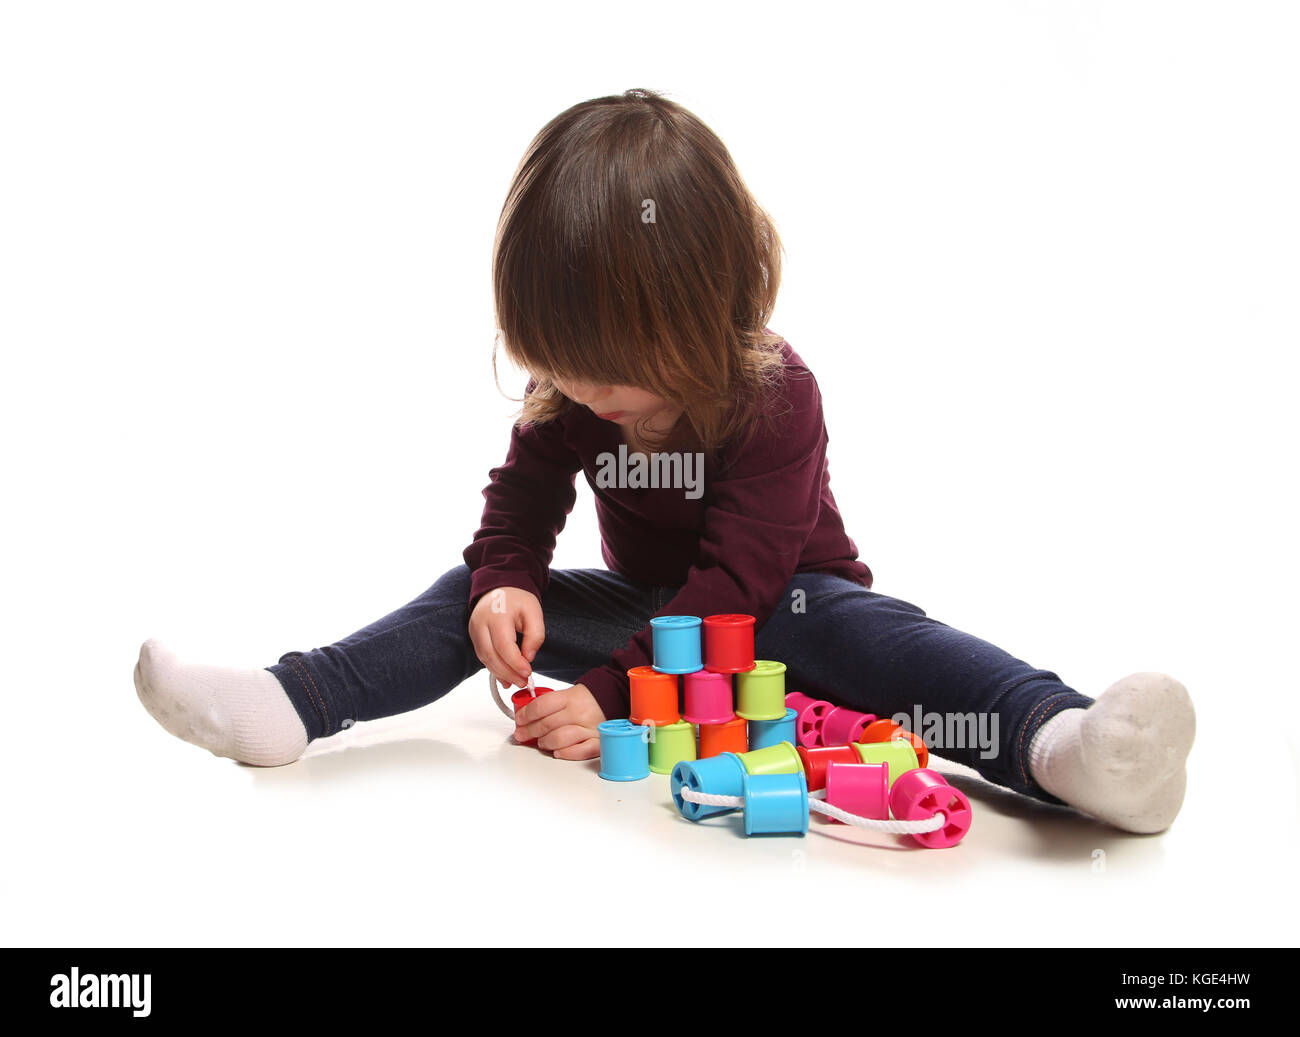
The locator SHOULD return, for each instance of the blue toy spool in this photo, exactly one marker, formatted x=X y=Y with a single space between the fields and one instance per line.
x=721 y=775
x=775 y=804
x=678 y=643
x=624 y=751
x=763 y=733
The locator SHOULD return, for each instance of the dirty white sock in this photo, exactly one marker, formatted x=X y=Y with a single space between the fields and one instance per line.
x=242 y=714
x=1122 y=759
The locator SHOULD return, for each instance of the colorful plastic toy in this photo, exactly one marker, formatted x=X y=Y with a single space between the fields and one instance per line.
x=760 y=692
x=624 y=751
x=859 y=788
x=816 y=760
x=900 y=756
x=729 y=643
x=676 y=641
x=721 y=775
x=879 y=731
x=840 y=725
x=922 y=793
x=731 y=737
x=810 y=713
x=763 y=733
x=670 y=745
x=778 y=758
x=775 y=804
x=708 y=698
x=781 y=758
x=654 y=696
x=522 y=697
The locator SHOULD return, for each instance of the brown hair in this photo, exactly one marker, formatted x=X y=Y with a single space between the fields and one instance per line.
x=630 y=252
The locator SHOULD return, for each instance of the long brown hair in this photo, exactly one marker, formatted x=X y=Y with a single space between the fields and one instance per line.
x=630 y=252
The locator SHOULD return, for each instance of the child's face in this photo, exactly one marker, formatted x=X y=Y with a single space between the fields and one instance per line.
x=621 y=404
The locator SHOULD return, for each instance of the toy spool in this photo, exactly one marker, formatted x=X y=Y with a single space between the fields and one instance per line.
x=816 y=759
x=763 y=733
x=879 y=731
x=760 y=692
x=841 y=725
x=670 y=745
x=775 y=804
x=859 y=788
x=900 y=756
x=923 y=793
x=676 y=644
x=624 y=752
x=708 y=698
x=729 y=643
x=654 y=696
x=781 y=758
x=731 y=737
x=808 y=726
x=521 y=698
x=721 y=775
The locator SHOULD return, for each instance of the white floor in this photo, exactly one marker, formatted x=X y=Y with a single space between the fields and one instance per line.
x=433 y=828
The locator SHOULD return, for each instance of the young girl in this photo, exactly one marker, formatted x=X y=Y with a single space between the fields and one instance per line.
x=634 y=278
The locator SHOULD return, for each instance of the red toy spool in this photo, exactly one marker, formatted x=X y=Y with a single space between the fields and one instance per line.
x=816 y=758
x=729 y=643
x=521 y=698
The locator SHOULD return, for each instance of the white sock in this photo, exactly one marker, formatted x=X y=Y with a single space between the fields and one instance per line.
x=1122 y=759
x=240 y=714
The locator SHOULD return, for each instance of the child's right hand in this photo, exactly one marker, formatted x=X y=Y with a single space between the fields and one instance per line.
x=498 y=616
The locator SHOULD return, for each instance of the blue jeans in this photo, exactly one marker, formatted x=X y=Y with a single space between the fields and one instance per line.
x=840 y=642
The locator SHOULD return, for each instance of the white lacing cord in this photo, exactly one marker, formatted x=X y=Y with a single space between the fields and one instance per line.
x=496 y=694
x=930 y=824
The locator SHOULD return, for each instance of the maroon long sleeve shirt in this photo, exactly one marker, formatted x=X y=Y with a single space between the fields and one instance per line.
x=766 y=513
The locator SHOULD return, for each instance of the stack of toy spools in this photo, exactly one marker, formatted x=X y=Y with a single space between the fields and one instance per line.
x=720 y=723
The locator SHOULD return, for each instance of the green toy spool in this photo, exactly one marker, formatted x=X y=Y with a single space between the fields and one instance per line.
x=671 y=744
x=898 y=754
x=760 y=692
x=774 y=759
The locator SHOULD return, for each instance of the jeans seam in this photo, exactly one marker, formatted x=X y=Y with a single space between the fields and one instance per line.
x=305 y=679
x=1020 y=741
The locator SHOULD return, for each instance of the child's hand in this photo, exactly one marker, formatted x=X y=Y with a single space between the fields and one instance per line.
x=499 y=614
x=563 y=722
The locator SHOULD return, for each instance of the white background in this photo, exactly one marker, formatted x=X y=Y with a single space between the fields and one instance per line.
x=1041 y=257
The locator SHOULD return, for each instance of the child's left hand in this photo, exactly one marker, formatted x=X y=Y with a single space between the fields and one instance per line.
x=563 y=722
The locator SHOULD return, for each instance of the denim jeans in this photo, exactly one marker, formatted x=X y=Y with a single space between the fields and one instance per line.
x=840 y=642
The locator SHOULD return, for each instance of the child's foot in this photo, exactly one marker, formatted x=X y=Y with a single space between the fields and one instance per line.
x=1122 y=758
x=240 y=714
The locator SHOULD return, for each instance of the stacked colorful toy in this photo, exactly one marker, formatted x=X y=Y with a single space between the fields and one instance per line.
x=738 y=741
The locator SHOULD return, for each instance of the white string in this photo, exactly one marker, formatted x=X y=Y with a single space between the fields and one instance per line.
x=930 y=824
x=496 y=694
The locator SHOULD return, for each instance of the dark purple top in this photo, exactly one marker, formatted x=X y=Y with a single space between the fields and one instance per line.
x=766 y=513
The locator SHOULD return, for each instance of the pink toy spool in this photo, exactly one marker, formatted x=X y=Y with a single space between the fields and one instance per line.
x=840 y=725
x=708 y=698
x=808 y=727
x=797 y=701
x=859 y=788
x=729 y=643
x=921 y=793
